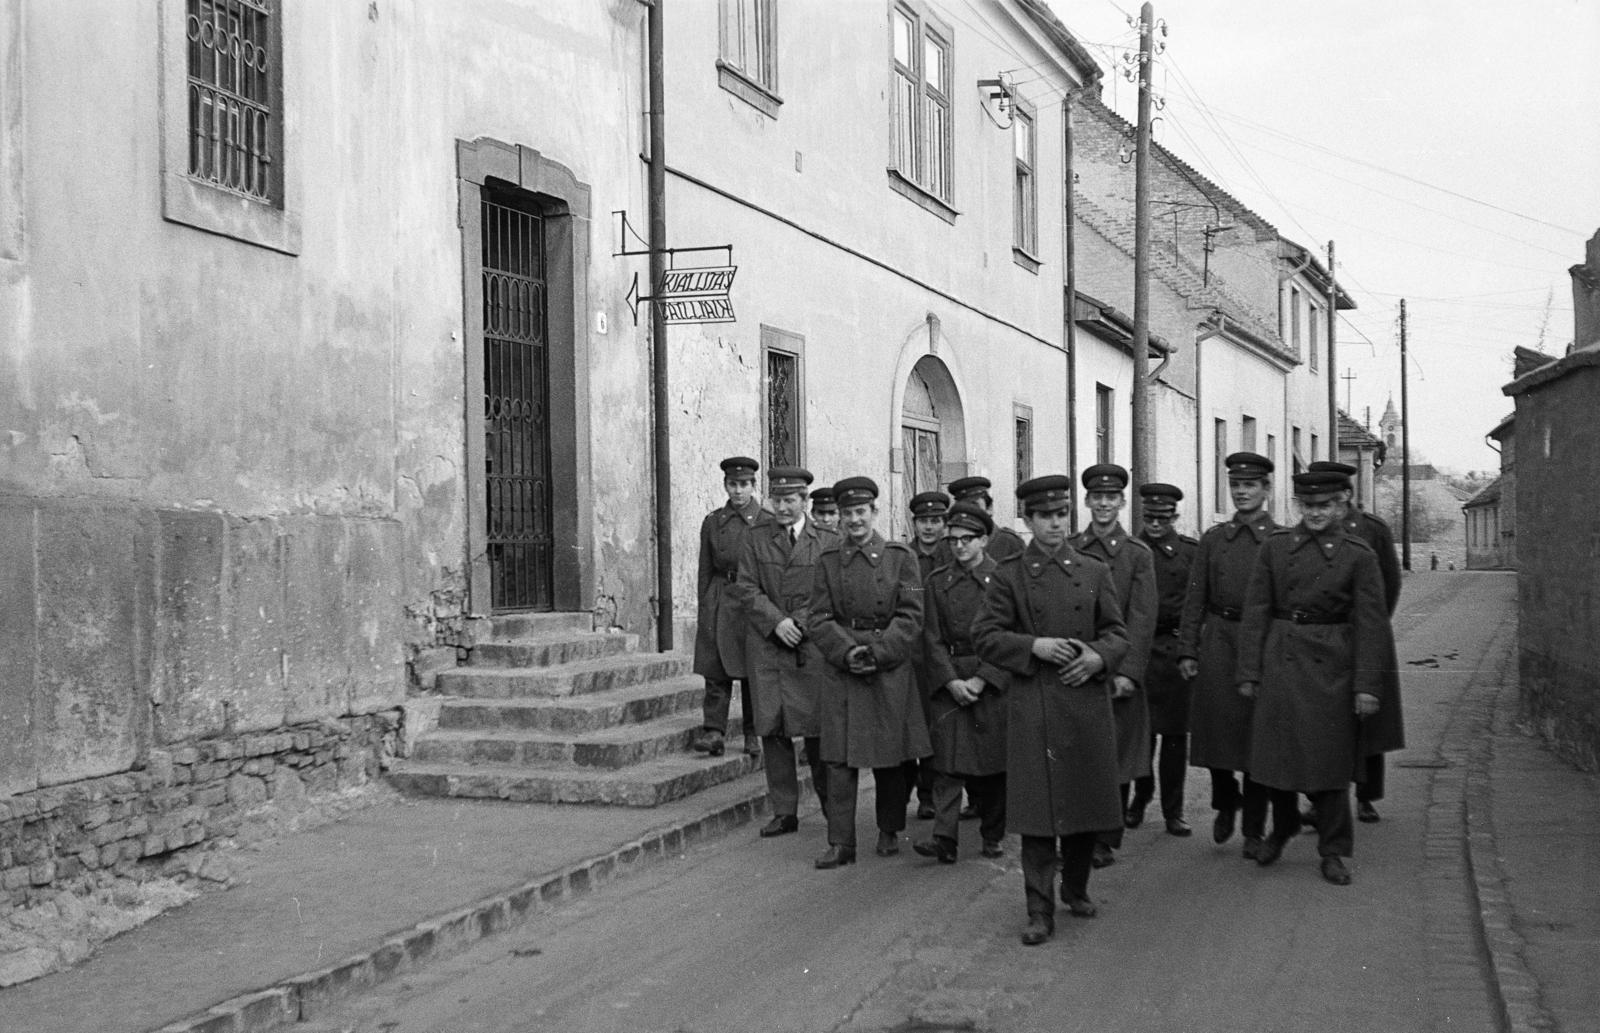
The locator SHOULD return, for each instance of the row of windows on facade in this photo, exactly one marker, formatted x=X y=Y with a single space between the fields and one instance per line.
x=920 y=102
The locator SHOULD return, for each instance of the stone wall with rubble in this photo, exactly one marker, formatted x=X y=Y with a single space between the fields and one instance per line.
x=185 y=798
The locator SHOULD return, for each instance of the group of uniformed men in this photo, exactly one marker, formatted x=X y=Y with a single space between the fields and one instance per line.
x=1037 y=677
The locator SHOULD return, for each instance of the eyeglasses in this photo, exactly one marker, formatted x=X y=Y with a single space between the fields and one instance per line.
x=961 y=539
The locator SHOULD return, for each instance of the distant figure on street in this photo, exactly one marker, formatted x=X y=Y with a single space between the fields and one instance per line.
x=1219 y=718
x=719 y=636
x=1052 y=621
x=1313 y=644
x=1133 y=571
x=1165 y=687
x=1004 y=542
x=968 y=725
x=777 y=567
x=1385 y=731
x=866 y=619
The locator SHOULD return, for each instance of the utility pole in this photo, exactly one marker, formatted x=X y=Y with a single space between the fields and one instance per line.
x=1333 y=355
x=660 y=401
x=1349 y=375
x=1405 y=451
x=1141 y=266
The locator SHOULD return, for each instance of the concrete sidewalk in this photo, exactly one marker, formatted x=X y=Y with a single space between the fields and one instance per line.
x=322 y=914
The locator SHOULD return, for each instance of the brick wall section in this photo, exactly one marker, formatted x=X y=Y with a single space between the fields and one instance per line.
x=1558 y=552
x=187 y=796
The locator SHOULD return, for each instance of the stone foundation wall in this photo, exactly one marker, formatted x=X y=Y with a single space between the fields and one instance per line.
x=188 y=796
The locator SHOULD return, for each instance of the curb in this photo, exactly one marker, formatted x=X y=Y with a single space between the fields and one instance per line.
x=303 y=997
x=1517 y=989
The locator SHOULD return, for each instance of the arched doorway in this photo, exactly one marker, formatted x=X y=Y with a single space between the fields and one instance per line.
x=933 y=432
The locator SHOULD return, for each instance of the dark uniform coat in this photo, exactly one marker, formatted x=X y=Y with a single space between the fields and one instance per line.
x=775 y=581
x=719 y=636
x=1164 y=687
x=1384 y=731
x=1061 y=742
x=869 y=595
x=1004 y=544
x=967 y=740
x=1134 y=573
x=1219 y=718
x=1314 y=634
x=940 y=555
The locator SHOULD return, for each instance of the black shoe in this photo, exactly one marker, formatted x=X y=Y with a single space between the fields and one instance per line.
x=1335 y=872
x=708 y=741
x=836 y=856
x=1104 y=856
x=1366 y=812
x=1178 y=827
x=1081 y=907
x=752 y=744
x=991 y=849
x=1252 y=848
x=1040 y=928
x=780 y=825
x=888 y=844
x=1133 y=817
x=938 y=847
x=1270 y=850
x=924 y=812
x=1222 y=828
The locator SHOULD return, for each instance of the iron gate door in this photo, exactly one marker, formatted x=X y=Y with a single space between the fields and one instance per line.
x=516 y=405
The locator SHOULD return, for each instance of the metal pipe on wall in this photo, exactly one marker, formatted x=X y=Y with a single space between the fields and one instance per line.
x=656 y=190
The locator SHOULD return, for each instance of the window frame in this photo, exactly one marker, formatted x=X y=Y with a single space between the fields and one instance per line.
x=1313 y=334
x=1022 y=433
x=1105 y=426
x=1219 y=448
x=273 y=224
x=783 y=342
x=915 y=184
x=1025 y=209
x=757 y=87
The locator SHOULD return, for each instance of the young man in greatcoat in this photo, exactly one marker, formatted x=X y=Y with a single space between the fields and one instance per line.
x=1052 y=621
x=968 y=723
x=1164 y=685
x=866 y=619
x=777 y=566
x=1134 y=573
x=1385 y=731
x=824 y=511
x=719 y=636
x=1313 y=644
x=928 y=510
x=1004 y=542
x=1219 y=718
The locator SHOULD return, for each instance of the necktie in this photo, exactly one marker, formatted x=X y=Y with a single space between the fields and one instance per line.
x=794 y=534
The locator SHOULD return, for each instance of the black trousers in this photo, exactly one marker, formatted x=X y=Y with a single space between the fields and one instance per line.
x=1336 y=832
x=1113 y=837
x=1251 y=800
x=919 y=779
x=1172 y=768
x=719 y=700
x=843 y=784
x=1371 y=787
x=1039 y=869
x=783 y=782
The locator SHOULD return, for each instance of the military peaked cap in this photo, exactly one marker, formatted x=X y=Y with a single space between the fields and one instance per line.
x=1319 y=485
x=930 y=504
x=739 y=467
x=970 y=516
x=785 y=479
x=1046 y=494
x=822 y=499
x=970 y=487
x=853 y=491
x=1105 y=477
x=1247 y=466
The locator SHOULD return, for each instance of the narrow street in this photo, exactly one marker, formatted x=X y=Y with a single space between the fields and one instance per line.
x=742 y=934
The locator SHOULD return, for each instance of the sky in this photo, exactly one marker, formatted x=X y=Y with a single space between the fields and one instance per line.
x=1449 y=148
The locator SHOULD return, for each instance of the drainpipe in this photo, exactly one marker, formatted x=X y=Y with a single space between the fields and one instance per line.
x=1069 y=260
x=1205 y=334
x=656 y=189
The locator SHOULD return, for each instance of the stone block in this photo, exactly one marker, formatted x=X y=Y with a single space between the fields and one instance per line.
x=18 y=762
x=244 y=791
x=94 y=634
x=253 y=613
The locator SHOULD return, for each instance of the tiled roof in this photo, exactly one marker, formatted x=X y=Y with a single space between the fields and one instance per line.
x=1487 y=497
x=1353 y=433
x=1180 y=274
x=1062 y=37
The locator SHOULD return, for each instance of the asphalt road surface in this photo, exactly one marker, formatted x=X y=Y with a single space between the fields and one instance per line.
x=742 y=934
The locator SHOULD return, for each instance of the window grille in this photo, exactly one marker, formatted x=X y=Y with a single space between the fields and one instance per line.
x=234 y=113
x=783 y=409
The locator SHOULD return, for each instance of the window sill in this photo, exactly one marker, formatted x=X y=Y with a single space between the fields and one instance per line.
x=205 y=207
x=747 y=89
x=920 y=197
x=1025 y=260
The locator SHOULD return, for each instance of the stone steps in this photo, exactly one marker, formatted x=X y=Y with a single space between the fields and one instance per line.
x=550 y=711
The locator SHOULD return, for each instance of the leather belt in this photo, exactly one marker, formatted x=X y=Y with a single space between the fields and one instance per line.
x=1165 y=627
x=960 y=651
x=1227 y=613
x=731 y=575
x=869 y=623
x=1306 y=617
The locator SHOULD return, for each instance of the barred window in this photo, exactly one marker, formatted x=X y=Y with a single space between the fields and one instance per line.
x=783 y=403
x=234 y=97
